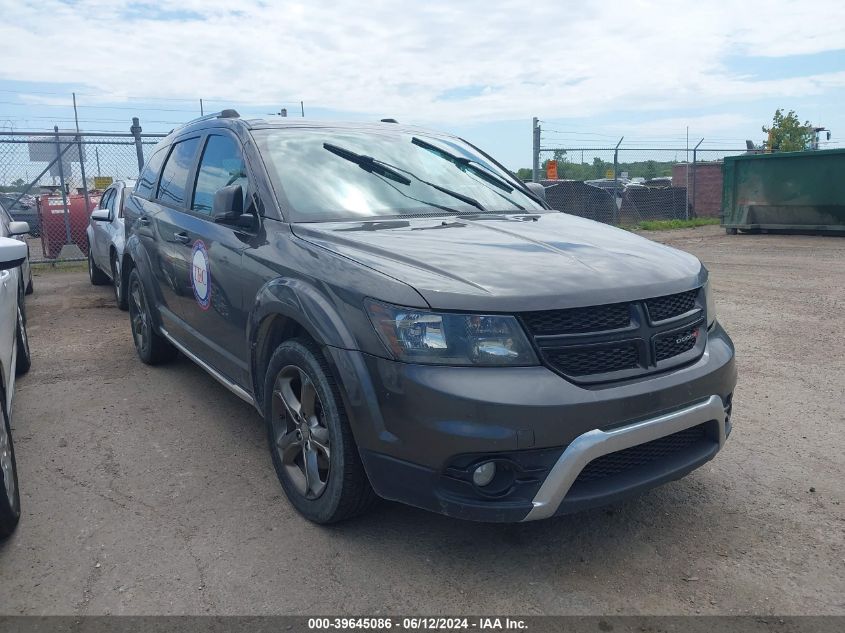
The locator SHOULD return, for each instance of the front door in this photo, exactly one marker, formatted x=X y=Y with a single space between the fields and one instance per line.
x=212 y=307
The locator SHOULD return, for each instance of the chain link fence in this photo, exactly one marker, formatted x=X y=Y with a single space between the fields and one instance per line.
x=627 y=185
x=53 y=181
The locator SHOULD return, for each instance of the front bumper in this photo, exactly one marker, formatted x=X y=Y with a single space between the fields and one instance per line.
x=422 y=429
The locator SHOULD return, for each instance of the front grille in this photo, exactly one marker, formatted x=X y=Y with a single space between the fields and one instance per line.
x=606 y=342
x=640 y=455
x=579 y=320
x=675 y=343
x=586 y=361
x=666 y=307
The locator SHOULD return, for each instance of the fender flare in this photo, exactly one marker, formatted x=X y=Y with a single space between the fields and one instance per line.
x=304 y=304
x=135 y=252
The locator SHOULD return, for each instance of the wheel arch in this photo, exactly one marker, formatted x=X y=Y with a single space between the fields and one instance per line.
x=135 y=256
x=286 y=308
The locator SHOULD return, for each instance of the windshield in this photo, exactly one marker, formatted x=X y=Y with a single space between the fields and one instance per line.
x=337 y=174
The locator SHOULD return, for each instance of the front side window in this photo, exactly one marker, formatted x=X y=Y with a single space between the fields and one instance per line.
x=222 y=164
x=147 y=179
x=340 y=174
x=105 y=200
x=174 y=176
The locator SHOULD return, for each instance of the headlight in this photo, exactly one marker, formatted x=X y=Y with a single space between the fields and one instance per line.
x=443 y=338
x=711 y=303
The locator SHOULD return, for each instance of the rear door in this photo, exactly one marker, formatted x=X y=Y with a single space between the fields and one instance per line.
x=212 y=307
x=170 y=268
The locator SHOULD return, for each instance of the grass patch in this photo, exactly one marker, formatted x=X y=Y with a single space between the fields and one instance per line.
x=64 y=267
x=667 y=225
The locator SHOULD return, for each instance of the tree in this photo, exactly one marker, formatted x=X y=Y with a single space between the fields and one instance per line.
x=787 y=133
x=524 y=173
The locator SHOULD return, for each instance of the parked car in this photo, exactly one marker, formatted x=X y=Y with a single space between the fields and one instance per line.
x=19 y=231
x=413 y=323
x=14 y=360
x=24 y=209
x=106 y=237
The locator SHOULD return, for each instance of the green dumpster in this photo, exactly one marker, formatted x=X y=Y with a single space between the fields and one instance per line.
x=791 y=191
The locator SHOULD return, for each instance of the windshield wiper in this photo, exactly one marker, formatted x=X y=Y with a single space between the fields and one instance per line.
x=373 y=165
x=463 y=163
x=367 y=163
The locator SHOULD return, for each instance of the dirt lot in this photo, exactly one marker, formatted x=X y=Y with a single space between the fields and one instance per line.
x=150 y=490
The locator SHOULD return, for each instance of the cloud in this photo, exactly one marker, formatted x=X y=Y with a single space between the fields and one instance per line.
x=425 y=61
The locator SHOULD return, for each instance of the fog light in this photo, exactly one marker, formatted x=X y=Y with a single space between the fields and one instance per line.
x=484 y=474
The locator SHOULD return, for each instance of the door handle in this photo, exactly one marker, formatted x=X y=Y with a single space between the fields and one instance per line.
x=182 y=237
x=144 y=220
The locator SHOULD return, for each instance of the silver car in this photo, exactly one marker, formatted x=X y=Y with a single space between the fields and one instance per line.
x=106 y=239
x=14 y=361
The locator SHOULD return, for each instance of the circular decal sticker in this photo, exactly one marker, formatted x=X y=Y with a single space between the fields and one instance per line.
x=200 y=274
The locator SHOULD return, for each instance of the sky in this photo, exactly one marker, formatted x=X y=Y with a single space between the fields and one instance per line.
x=591 y=72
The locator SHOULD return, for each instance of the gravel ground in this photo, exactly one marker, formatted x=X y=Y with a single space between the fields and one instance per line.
x=150 y=490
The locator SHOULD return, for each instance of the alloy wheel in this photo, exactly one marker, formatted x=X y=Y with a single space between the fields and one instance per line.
x=300 y=433
x=138 y=316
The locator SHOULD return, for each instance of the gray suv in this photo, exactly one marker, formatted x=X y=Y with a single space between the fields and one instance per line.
x=414 y=323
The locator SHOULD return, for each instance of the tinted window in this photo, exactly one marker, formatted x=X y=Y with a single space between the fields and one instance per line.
x=174 y=176
x=147 y=180
x=338 y=174
x=105 y=201
x=222 y=165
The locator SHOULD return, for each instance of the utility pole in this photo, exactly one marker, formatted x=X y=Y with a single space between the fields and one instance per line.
x=535 y=165
x=302 y=107
x=202 y=112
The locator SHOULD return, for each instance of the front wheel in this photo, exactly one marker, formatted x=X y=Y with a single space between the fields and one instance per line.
x=152 y=347
x=10 y=500
x=310 y=440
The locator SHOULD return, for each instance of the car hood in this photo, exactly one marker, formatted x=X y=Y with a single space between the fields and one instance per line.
x=505 y=263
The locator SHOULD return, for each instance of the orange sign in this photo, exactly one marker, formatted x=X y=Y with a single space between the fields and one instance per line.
x=551 y=170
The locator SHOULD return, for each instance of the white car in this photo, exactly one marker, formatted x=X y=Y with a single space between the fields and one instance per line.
x=106 y=238
x=14 y=361
x=6 y=222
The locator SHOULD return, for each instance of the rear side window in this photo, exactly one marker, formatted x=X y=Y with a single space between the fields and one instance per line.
x=147 y=180
x=222 y=165
x=174 y=176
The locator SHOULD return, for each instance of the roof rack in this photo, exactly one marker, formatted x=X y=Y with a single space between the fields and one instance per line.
x=228 y=113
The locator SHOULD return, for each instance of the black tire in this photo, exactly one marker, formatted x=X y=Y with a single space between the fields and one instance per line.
x=22 y=302
x=730 y=231
x=10 y=504
x=30 y=287
x=118 y=283
x=97 y=276
x=24 y=359
x=345 y=491
x=152 y=347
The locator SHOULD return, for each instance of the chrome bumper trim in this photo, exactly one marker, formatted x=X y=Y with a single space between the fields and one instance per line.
x=592 y=444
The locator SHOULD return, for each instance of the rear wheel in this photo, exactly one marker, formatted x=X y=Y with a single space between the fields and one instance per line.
x=24 y=360
x=310 y=440
x=10 y=500
x=117 y=280
x=97 y=276
x=30 y=288
x=730 y=231
x=152 y=347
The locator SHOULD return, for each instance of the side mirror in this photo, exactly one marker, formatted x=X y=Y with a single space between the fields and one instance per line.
x=18 y=228
x=228 y=204
x=12 y=252
x=101 y=215
x=537 y=189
